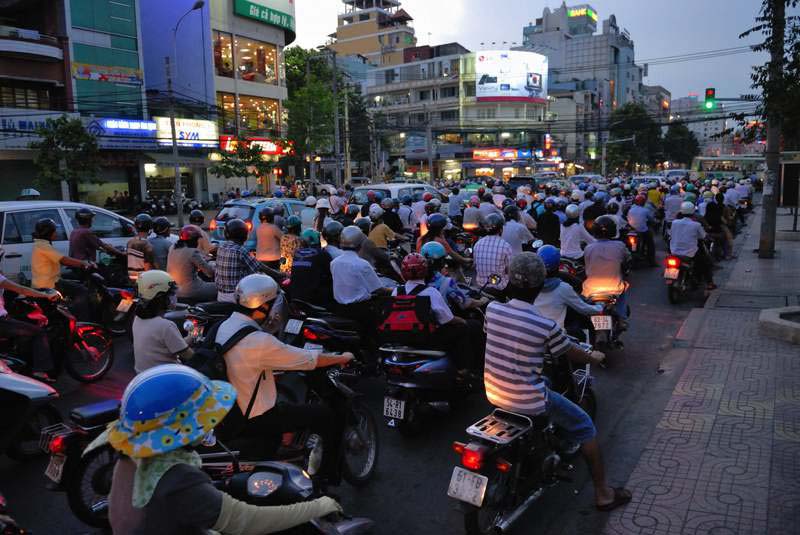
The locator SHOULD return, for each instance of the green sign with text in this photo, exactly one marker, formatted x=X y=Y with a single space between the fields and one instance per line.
x=265 y=11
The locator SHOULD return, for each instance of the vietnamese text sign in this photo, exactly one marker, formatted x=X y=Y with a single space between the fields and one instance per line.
x=278 y=13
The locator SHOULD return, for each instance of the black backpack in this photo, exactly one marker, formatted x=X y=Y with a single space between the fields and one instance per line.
x=209 y=359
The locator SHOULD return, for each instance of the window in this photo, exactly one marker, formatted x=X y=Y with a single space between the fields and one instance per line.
x=469 y=90
x=363 y=17
x=20 y=225
x=487 y=113
x=425 y=95
x=17 y=96
x=104 y=225
x=223 y=54
x=449 y=92
x=256 y=61
x=226 y=112
x=257 y=113
x=449 y=115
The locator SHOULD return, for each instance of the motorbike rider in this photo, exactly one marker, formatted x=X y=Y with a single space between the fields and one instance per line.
x=198 y=218
x=436 y=225
x=309 y=212
x=605 y=261
x=185 y=262
x=515 y=233
x=311 y=271
x=160 y=242
x=524 y=215
x=321 y=218
x=268 y=239
x=573 y=234
x=406 y=214
x=492 y=255
x=438 y=277
x=332 y=233
x=672 y=204
x=139 y=250
x=290 y=242
x=472 y=215
x=548 y=224
x=380 y=234
x=685 y=242
x=157 y=484
x=390 y=216
x=234 y=261
x=84 y=243
x=518 y=338
x=639 y=218
x=156 y=340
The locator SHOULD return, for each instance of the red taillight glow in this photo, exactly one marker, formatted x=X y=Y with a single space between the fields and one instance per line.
x=308 y=334
x=472 y=458
x=213 y=225
x=459 y=447
x=58 y=445
x=503 y=466
x=632 y=240
x=249 y=226
x=673 y=262
x=125 y=295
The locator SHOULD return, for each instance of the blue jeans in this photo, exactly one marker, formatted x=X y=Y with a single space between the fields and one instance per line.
x=621 y=308
x=570 y=418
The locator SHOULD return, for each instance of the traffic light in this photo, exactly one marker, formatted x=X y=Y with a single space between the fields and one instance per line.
x=711 y=98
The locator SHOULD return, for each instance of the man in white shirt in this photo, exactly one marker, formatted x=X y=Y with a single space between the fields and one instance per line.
x=487 y=207
x=573 y=234
x=406 y=214
x=418 y=208
x=514 y=232
x=686 y=235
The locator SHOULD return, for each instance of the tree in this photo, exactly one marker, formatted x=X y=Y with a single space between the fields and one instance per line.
x=360 y=125
x=629 y=121
x=246 y=161
x=66 y=151
x=680 y=144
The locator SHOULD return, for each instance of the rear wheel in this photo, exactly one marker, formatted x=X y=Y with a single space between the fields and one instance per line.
x=673 y=294
x=483 y=520
x=89 y=485
x=360 y=447
x=92 y=354
x=26 y=443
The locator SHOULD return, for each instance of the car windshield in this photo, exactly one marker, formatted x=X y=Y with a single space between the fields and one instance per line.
x=235 y=212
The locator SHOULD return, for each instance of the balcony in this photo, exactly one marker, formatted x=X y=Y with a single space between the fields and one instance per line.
x=29 y=44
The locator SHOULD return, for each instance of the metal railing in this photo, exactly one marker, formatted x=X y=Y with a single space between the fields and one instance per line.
x=24 y=34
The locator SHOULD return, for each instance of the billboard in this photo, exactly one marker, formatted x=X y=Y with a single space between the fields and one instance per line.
x=278 y=13
x=510 y=76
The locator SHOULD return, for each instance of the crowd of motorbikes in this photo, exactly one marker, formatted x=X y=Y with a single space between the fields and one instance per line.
x=505 y=464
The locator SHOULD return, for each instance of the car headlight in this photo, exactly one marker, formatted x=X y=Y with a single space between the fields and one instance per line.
x=262 y=484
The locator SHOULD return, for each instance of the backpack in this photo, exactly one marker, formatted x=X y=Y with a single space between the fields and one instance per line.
x=407 y=318
x=208 y=358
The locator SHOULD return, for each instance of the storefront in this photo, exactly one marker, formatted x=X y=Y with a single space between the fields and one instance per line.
x=271 y=150
x=499 y=164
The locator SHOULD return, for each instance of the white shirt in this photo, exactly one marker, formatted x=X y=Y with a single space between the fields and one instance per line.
x=686 y=233
x=406 y=216
x=354 y=279
x=516 y=234
x=732 y=197
x=439 y=307
x=554 y=300
x=454 y=205
x=571 y=239
x=528 y=221
x=255 y=353
x=487 y=208
x=419 y=209
x=672 y=205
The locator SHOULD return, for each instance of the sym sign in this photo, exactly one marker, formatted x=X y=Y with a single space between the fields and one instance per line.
x=510 y=76
x=191 y=133
x=278 y=13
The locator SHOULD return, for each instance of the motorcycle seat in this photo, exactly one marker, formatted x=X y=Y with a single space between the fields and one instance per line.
x=96 y=414
x=431 y=353
x=216 y=308
x=309 y=308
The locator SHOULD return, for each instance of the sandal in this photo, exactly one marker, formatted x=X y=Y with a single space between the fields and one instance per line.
x=621 y=497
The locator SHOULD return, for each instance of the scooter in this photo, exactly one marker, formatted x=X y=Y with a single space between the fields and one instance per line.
x=680 y=277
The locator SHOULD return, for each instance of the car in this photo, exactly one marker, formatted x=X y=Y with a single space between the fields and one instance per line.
x=580 y=179
x=676 y=174
x=248 y=210
x=637 y=181
x=359 y=181
x=18 y=219
x=393 y=190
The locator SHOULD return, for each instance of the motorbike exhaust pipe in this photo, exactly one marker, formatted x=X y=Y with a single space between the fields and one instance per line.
x=508 y=520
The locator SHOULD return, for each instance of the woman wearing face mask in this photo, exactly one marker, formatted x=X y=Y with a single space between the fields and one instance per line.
x=157 y=340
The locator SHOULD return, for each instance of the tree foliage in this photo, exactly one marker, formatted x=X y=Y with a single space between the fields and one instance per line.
x=66 y=151
x=680 y=144
x=629 y=121
x=247 y=160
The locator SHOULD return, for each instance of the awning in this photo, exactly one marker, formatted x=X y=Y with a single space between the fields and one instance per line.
x=184 y=161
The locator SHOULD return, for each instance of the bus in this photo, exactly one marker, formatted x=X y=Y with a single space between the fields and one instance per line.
x=722 y=167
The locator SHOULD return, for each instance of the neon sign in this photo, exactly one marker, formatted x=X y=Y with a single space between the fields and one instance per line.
x=582 y=12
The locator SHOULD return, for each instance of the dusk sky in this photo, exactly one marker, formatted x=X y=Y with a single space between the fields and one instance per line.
x=658 y=28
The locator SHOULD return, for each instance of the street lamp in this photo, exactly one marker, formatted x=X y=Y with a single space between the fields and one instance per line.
x=178 y=179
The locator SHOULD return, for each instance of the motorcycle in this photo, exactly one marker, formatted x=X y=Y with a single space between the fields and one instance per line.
x=607 y=327
x=681 y=277
x=636 y=247
x=511 y=459
x=575 y=268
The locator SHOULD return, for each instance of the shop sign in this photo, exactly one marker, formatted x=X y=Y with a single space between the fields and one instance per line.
x=416 y=146
x=501 y=154
x=278 y=13
x=122 y=134
x=486 y=154
x=582 y=12
x=268 y=146
x=19 y=131
x=193 y=133
x=524 y=154
x=102 y=73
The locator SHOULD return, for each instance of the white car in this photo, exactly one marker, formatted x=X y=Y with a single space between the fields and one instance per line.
x=394 y=190
x=18 y=219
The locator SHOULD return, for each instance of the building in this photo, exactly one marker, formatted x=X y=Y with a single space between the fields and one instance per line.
x=707 y=129
x=657 y=100
x=379 y=30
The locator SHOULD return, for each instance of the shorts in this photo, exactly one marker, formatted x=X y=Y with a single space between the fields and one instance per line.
x=570 y=418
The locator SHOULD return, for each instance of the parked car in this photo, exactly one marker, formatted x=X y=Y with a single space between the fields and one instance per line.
x=394 y=190
x=247 y=210
x=18 y=219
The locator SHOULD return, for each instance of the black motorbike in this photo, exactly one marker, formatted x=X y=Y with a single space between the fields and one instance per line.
x=681 y=278
x=605 y=331
x=511 y=459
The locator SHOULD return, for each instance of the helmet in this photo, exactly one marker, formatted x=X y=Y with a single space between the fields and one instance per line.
x=84 y=216
x=311 y=237
x=153 y=283
x=414 y=267
x=197 y=217
x=364 y=225
x=311 y=201
x=640 y=200
x=324 y=203
x=506 y=202
x=431 y=208
x=481 y=191
x=691 y=188
x=475 y=201
x=375 y=212
x=690 y=197
x=675 y=189
x=493 y=224
x=190 y=232
x=427 y=196
x=687 y=208
x=370 y=196
x=143 y=222
x=708 y=194
x=626 y=187
x=436 y=222
x=522 y=204
x=576 y=196
x=255 y=290
x=605 y=227
x=161 y=225
x=44 y=229
x=352 y=210
x=387 y=203
x=278 y=194
x=572 y=211
x=166 y=408
x=294 y=222
x=511 y=212
x=433 y=251
x=562 y=203
x=583 y=186
x=266 y=215
x=612 y=208
x=406 y=199
x=236 y=230
x=351 y=238
x=615 y=191
x=551 y=256
x=332 y=231
x=527 y=271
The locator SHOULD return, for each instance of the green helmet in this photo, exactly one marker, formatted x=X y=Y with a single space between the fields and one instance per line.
x=311 y=237
x=294 y=222
x=690 y=188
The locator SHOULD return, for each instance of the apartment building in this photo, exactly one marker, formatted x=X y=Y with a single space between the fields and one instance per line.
x=379 y=30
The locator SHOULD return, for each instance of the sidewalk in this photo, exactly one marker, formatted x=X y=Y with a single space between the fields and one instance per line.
x=725 y=457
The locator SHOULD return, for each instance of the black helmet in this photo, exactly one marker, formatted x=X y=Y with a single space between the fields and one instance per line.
x=84 y=216
x=364 y=224
x=436 y=222
x=332 y=232
x=44 y=229
x=494 y=224
x=266 y=215
x=236 y=231
x=511 y=212
x=352 y=210
x=143 y=222
x=605 y=227
x=407 y=200
x=197 y=217
x=161 y=225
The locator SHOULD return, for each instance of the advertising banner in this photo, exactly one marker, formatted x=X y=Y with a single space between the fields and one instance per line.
x=18 y=131
x=268 y=146
x=510 y=76
x=192 y=133
x=416 y=146
x=278 y=13
x=122 y=134
x=102 y=73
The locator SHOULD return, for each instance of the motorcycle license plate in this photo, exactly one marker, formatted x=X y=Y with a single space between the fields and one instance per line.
x=671 y=273
x=55 y=468
x=602 y=323
x=293 y=326
x=394 y=408
x=313 y=347
x=124 y=305
x=634 y=246
x=467 y=486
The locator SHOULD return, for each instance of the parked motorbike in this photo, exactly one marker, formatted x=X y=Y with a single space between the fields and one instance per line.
x=510 y=459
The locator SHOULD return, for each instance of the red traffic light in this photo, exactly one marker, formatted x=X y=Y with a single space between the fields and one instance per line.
x=711 y=93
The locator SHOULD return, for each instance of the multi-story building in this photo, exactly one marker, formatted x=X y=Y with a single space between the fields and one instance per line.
x=707 y=129
x=379 y=30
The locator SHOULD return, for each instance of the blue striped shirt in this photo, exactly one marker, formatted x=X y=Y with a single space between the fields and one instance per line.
x=517 y=339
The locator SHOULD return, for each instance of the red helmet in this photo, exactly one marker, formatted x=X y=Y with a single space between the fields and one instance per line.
x=640 y=200
x=414 y=267
x=481 y=191
x=190 y=232
x=522 y=204
x=371 y=195
x=427 y=197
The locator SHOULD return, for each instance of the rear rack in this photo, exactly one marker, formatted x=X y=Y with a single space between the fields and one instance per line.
x=501 y=427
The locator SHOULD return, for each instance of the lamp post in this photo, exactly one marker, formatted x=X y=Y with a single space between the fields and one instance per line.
x=178 y=181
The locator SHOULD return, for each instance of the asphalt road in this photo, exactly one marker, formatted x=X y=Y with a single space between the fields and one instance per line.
x=408 y=495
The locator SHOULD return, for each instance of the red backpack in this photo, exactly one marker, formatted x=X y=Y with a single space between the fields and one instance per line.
x=407 y=317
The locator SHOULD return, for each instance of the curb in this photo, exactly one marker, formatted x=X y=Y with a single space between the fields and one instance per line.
x=772 y=323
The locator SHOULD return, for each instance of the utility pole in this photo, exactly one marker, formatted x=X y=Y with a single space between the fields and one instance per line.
x=310 y=124
x=337 y=142
x=348 y=172
x=178 y=178
x=766 y=243
x=429 y=144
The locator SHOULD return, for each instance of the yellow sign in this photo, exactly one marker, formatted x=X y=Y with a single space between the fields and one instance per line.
x=583 y=12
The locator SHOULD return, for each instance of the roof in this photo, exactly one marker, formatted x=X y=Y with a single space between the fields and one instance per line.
x=253 y=201
x=402 y=16
x=26 y=205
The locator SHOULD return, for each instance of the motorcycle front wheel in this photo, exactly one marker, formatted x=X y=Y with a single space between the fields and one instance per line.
x=360 y=445
x=89 y=485
x=91 y=354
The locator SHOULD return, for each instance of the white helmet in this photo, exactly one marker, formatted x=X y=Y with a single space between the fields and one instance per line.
x=153 y=283
x=351 y=238
x=576 y=195
x=311 y=201
x=375 y=212
x=255 y=290
x=573 y=211
x=323 y=203
x=687 y=208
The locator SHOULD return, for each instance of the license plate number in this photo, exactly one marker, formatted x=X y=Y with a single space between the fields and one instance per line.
x=467 y=486
x=312 y=347
x=293 y=326
x=124 y=305
x=394 y=408
x=601 y=323
x=55 y=468
x=671 y=273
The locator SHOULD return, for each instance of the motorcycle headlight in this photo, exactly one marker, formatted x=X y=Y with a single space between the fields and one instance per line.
x=262 y=484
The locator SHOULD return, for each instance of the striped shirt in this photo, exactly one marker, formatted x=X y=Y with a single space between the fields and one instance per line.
x=517 y=339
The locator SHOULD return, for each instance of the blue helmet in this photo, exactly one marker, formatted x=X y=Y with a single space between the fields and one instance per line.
x=675 y=189
x=583 y=186
x=551 y=256
x=433 y=251
x=278 y=194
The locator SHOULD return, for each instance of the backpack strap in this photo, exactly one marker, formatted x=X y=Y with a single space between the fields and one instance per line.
x=401 y=290
x=237 y=337
x=418 y=290
x=252 y=401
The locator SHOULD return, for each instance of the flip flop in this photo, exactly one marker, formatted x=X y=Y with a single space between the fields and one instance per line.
x=621 y=497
